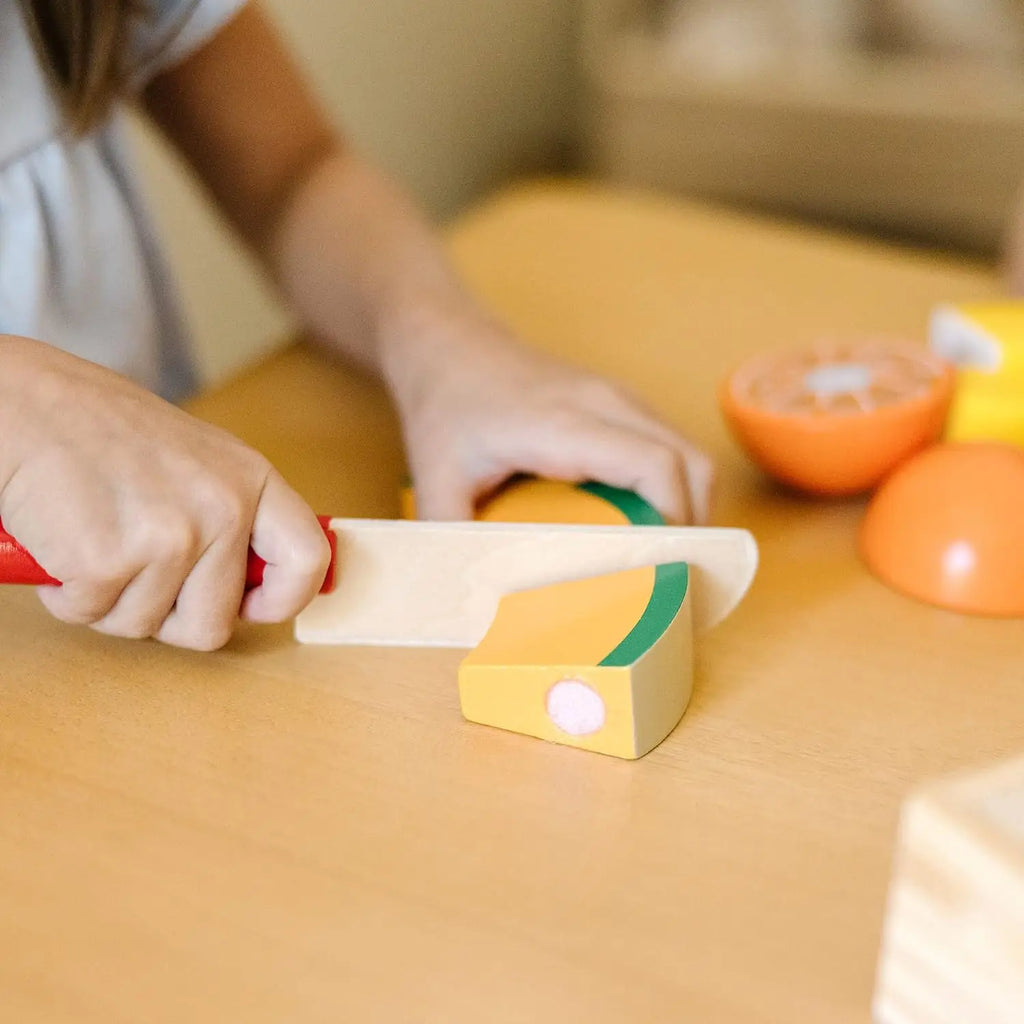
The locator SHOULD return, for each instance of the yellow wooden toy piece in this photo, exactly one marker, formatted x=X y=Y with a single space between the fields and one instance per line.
x=986 y=343
x=603 y=663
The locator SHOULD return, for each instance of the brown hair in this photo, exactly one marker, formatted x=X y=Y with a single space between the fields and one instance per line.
x=80 y=43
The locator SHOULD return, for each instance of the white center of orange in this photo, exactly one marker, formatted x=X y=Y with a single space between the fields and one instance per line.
x=838 y=379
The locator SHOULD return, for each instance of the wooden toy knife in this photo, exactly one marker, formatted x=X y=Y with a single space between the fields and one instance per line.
x=438 y=584
x=395 y=582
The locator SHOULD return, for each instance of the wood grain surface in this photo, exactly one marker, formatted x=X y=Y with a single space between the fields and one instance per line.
x=288 y=833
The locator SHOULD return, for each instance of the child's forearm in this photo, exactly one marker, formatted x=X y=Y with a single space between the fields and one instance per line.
x=363 y=268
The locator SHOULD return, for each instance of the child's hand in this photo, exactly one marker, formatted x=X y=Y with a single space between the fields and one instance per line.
x=478 y=408
x=145 y=513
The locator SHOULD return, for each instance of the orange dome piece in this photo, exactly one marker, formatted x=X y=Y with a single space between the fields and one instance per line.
x=836 y=418
x=947 y=528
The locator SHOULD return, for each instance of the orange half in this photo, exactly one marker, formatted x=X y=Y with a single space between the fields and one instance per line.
x=948 y=528
x=836 y=418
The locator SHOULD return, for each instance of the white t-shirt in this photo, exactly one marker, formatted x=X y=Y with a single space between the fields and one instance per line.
x=80 y=266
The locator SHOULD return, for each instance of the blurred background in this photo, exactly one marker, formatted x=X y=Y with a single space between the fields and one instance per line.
x=897 y=118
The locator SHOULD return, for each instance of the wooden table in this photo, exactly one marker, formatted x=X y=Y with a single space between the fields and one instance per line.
x=287 y=834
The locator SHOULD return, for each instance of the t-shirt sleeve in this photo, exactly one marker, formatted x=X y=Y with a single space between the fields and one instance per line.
x=168 y=31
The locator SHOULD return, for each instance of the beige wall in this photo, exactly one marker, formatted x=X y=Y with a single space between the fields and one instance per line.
x=451 y=96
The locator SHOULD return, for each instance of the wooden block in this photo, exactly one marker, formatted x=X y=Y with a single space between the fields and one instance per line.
x=953 y=948
x=603 y=663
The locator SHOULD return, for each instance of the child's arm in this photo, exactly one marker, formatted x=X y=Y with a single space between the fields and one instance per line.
x=368 y=276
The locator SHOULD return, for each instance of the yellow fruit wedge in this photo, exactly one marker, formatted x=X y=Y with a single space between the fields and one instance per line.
x=604 y=663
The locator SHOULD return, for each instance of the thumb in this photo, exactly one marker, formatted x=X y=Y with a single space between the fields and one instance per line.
x=288 y=537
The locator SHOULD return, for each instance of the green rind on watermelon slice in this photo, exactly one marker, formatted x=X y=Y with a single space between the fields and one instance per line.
x=667 y=596
x=670 y=581
x=636 y=509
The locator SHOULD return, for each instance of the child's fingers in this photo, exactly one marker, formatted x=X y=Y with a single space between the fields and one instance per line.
x=165 y=549
x=131 y=587
x=618 y=408
x=205 y=612
x=698 y=468
x=288 y=537
x=587 y=448
x=82 y=602
x=145 y=602
x=443 y=495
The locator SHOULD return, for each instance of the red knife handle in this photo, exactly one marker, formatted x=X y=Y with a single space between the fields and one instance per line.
x=18 y=566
